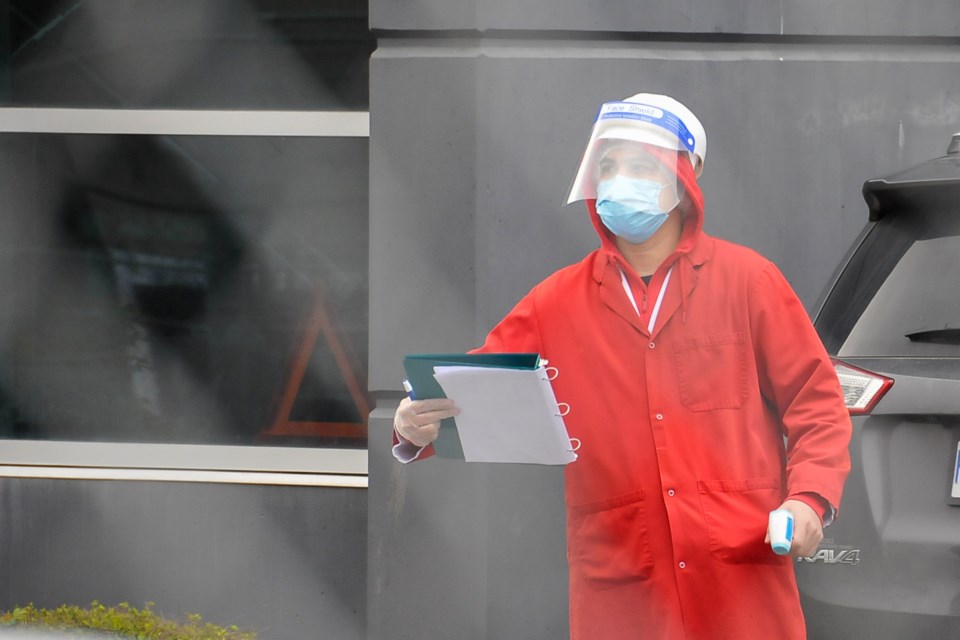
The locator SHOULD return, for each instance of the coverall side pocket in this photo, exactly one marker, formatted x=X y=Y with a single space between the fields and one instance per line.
x=712 y=371
x=609 y=542
x=736 y=514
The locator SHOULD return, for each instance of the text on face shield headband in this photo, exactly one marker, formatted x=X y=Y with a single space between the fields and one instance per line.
x=653 y=115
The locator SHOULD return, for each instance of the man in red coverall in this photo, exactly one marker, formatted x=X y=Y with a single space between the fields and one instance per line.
x=698 y=388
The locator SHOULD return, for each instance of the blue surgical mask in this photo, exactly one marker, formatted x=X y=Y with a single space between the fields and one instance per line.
x=630 y=207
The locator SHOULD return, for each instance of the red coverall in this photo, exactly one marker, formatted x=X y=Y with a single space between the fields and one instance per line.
x=682 y=433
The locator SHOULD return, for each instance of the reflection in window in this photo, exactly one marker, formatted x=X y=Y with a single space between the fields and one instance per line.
x=187 y=54
x=915 y=312
x=183 y=289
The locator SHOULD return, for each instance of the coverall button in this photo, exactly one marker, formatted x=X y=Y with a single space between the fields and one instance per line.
x=683 y=565
x=671 y=493
x=652 y=345
x=659 y=416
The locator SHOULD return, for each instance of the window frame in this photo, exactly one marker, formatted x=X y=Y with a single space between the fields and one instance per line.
x=267 y=465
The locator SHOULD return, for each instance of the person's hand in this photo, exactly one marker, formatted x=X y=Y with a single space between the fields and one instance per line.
x=418 y=421
x=807 y=528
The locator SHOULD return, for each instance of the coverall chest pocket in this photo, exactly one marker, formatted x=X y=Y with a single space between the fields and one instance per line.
x=712 y=371
x=609 y=542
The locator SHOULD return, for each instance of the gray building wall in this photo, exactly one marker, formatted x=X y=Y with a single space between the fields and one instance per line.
x=479 y=114
x=286 y=562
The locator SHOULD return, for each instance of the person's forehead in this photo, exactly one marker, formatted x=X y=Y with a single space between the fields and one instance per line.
x=619 y=149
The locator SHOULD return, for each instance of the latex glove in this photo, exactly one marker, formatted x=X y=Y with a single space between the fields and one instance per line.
x=807 y=528
x=418 y=421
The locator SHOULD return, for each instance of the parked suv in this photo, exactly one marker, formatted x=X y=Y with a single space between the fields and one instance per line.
x=890 y=566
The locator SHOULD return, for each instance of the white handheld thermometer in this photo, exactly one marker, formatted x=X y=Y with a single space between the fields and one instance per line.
x=781 y=531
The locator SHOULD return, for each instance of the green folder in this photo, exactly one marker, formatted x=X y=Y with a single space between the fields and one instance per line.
x=423 y=385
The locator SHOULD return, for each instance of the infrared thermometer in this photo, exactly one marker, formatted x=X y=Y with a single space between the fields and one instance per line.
x=781 y=531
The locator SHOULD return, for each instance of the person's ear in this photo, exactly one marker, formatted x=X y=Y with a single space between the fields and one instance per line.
x=686 y=203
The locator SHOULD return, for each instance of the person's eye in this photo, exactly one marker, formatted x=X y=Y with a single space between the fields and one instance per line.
x=605 y=170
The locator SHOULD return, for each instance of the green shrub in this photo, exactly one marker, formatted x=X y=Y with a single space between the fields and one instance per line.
x=124 y=621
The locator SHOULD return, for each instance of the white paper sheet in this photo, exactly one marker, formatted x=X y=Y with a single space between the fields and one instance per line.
x=955 y=493
x=506 y=415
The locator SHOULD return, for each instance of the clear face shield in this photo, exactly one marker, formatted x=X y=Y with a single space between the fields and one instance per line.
x=635 y=146
x=635 y=173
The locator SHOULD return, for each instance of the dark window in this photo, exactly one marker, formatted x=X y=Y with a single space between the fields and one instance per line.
x=898 y=296
x=183 y=289
x=186 y=54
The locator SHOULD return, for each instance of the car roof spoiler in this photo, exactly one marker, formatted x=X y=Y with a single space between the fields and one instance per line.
x=928 y=184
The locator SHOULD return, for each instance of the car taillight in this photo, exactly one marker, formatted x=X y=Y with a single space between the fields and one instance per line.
x=862 y=389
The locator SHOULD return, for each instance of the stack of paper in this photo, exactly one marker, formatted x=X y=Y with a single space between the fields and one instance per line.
x=508 y=411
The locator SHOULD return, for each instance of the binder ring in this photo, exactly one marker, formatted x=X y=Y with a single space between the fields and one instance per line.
x=563 y=412
x=555 y=372
x=578 y=445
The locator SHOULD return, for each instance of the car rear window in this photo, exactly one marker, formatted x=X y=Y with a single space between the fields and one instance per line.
x=899 y=296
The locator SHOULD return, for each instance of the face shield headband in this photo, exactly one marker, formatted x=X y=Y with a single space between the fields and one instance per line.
x=632 y=111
